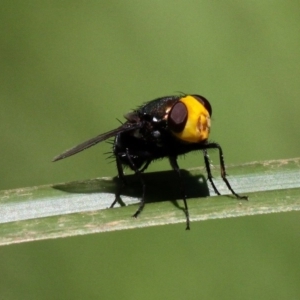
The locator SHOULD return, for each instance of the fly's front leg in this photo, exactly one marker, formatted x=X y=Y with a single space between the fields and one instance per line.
x=174 y=165
x=208 y=170
x=223 y=171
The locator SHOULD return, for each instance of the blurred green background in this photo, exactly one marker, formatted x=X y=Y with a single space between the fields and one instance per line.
x=70 y=69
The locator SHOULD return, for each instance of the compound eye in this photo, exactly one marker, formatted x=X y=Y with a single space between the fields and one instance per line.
x=204 y=102
x=177 y=117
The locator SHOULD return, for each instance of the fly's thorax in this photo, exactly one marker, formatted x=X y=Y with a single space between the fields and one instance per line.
x=189 y=119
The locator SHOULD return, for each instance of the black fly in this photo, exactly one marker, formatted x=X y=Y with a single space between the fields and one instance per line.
x=165 y=127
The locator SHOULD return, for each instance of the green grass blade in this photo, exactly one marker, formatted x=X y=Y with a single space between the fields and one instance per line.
x=81 y=207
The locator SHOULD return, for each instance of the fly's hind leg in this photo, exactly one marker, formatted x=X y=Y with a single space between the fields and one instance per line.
x=145 y=166
x=140 y=176
x=122 y=182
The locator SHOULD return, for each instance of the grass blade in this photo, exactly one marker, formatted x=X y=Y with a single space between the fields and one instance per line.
x=77 y=208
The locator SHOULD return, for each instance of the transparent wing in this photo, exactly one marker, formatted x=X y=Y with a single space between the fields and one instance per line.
x=99 y=138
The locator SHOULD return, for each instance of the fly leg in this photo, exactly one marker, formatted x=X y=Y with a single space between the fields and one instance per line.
x=209 y=175
x=223 y=171
x=122 y=182
x=140 y=176
x=145 y=166
x=174 y=165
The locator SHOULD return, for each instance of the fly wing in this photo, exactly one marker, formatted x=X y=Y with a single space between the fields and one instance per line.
x=99 y=138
